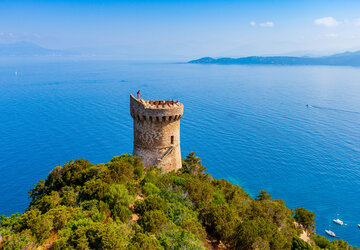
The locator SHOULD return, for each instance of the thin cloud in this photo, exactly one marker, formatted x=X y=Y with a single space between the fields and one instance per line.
x=327 y=22
x=252 y=23
x=10 y=37
x=332 y=35
x=267 y=24
x=357 y=22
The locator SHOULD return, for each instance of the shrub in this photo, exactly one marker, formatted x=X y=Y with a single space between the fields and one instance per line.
x=322 y=242
x=181 y=239
x=69 y=198
x=251 y=233
x=121 y=212
x=94 y=189
x=199 y=191
x=150 y=203
x=150 y=177
x=40 y=225
x=46 y=202
x=154 y=221
x=118 y=195
x=145 y=242
x=86 y=206
x=299 y=244
x=149 y=189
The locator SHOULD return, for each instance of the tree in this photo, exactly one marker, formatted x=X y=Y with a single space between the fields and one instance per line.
x=14 y=241
x=181 y=239
x=61 y=215
x=259 y=231
x=121 y=171
x=322 y=242
x=37 y=190
x=118 y=194
x=46 y=202
x=219 y=197
x=199 y=191
x=151 y=202
x=263 y=196
x=305 y=218
x=150 y=177
x=299 y=244
x=69 y=197
x=193 y=226
x=40 y=225
x=121 y=212
x=86 y=206
x=94 y=189
x=192 y=165
x=153 y=221
x=222 y=220
x=150 y=188
x=145 y=242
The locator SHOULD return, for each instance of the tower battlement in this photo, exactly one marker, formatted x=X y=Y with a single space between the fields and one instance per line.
x=155 y=111
x=157 y=132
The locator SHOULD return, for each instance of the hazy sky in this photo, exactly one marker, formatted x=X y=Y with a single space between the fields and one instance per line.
x=186 y=29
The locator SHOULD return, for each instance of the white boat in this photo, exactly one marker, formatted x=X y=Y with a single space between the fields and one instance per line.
x=359 y=225
x=331 y=233
x=339 y=222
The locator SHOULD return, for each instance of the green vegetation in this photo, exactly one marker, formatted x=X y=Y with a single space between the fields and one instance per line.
x=122 y=205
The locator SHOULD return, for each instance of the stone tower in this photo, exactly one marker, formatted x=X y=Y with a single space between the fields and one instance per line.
x=157 y=132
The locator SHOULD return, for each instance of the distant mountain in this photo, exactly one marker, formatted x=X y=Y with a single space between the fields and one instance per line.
x=345 y=59
x=29 y=49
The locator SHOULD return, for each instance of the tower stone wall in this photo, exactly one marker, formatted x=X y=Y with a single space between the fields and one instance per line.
x=157 y=132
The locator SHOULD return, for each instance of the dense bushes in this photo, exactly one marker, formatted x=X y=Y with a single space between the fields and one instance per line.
x=122 y=205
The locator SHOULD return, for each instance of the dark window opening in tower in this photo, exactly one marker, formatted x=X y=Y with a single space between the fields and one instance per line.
x=172 y=139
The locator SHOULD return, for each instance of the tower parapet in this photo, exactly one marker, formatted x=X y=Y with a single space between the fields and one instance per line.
x=157 y=132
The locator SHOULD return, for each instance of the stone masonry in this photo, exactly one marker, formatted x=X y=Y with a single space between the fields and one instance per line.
x=157 y=132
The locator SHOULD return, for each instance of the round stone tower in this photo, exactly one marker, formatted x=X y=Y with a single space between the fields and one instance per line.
x=157 y=132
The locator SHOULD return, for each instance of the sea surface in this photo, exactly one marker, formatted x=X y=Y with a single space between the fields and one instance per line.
x=249 y=124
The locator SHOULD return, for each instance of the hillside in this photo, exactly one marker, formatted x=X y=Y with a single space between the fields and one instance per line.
x=343 y=59
x=23 y=49
x=122 y=205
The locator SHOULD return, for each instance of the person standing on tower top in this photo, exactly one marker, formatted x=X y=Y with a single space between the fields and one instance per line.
x=138 y=94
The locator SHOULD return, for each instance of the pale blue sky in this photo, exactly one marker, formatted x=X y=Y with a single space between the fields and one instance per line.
x=186 y=29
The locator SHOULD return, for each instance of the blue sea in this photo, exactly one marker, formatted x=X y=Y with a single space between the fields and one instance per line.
x=249 y=124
